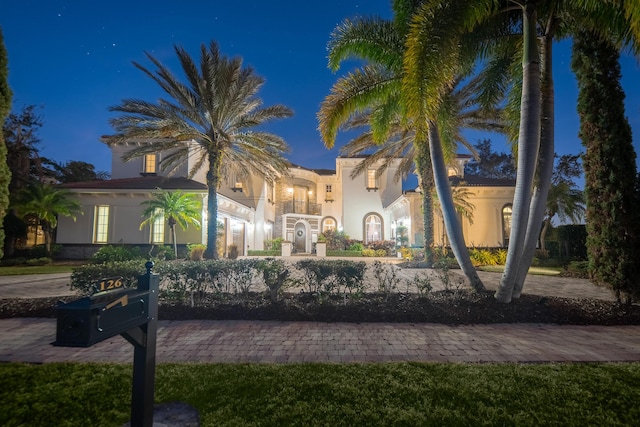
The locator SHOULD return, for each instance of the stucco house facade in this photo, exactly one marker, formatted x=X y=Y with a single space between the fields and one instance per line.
x=297 y=207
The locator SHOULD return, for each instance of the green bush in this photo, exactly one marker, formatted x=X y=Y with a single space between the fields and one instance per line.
x=386 y=276
x=163 y=252
x=39 y=261
x=356 y=247
x=381 y=252
x=270 y=253
x=323 y=277
x=116 y=253
x=86 y=275
x=275 y=275
x=196 y=251
x=273 y=245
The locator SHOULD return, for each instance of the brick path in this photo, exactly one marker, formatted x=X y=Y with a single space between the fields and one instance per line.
x=28 y=340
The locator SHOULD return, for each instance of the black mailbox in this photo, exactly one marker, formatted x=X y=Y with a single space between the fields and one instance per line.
x=95 y=318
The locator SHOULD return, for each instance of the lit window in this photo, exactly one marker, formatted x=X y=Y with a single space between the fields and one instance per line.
x=150 y=163
x=237 y=184
x=328 y=224
x=328 y=189
x=101 y=224
x=157 y=229
x=372 y=228
x=506 y=224
x=372 y=179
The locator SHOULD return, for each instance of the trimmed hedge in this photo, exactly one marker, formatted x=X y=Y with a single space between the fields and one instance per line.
x=344 y=253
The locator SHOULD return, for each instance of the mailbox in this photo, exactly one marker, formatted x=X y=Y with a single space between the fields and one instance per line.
x=109 y=312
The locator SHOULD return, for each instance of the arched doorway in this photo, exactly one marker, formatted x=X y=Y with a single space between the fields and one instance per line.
x=300 y=239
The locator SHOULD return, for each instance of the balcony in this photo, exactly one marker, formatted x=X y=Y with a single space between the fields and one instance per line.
x=303 y=208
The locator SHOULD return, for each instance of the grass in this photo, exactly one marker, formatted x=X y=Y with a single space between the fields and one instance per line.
x=330 y=394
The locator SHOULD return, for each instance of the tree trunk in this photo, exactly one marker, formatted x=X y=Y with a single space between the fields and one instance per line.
x=528 y=143
x=545 y=167
x=213 y=177
x=423 y=165
x=450 y=216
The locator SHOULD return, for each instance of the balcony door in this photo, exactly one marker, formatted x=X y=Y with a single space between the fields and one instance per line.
x=300 y=200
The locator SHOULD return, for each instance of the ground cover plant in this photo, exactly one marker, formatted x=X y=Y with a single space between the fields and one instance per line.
x=328 y=394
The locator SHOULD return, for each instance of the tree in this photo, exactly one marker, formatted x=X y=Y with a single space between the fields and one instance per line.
x=174 y=206
x=610 y=168
x=74 y=171
x=375 y=88
x=446 y=30
x=209 y=120
x=5 y=172
x=491 y=164
x=45 y=203
x=565 y=200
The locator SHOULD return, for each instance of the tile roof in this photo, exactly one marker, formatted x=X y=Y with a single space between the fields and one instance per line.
x=152 y=182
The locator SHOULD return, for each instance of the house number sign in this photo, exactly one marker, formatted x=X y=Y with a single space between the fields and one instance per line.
x=111 y=284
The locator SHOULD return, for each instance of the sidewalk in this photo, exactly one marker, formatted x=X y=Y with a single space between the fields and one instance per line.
x=204 y=341
x=29 y=339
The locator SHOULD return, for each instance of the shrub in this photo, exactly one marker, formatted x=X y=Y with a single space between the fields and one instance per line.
x=349 y=276
x=275 y=275
x=337 y=240
x=382 y=245
x=272 y=253
x=344 y=253
x=422 y=283
x=273 y=245
x=116 y=253
x=86 y=275
x=356 y=247
x=162 y=252
x=39 y=261
x=381 y=252
x=40 y=251
x=386 y=277
x=482 y=257
x=368 y=252
x=233 y=251
x=196 y=251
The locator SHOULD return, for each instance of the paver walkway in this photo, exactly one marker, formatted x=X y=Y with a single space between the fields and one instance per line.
x=28 y=340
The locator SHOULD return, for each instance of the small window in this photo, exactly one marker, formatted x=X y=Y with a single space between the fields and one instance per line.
x=328 y=191
x=271 y=192
x=101 y=225
x=157 y=228
x=150 y=163
x=236 y=184
x=372 y=179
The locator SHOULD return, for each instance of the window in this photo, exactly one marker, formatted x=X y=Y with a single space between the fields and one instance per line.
x=372 y=228
x=300 y=199
x=150 y=163
x=328 y=193
x=372 y=179
x=271 y=192
x=157 y=228
x=506 y=224
x=101 y=225
x=328 y=224
x=237 y=184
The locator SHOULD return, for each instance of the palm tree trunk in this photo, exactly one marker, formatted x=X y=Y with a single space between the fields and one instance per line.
x=450 y=217
x=423 y=164
x=213 y=176
x=545 y=167
x=528 y=143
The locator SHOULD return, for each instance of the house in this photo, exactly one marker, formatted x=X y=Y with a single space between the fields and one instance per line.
x=297 y=207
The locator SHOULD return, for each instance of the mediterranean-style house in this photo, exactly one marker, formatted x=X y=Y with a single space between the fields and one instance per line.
x=297 y=207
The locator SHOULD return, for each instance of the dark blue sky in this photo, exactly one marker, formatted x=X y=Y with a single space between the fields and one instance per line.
x=74 y=59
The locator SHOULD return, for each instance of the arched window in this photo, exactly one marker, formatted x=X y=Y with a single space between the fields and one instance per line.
x=372 y=228
x=328 y=223
x=506 y=224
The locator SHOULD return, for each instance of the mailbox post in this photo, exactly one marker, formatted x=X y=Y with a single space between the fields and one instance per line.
x=113 y=310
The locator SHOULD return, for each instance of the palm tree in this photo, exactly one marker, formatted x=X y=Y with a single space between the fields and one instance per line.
x=444 y=29
x=208 y=120
x=45 y=203
x=174 y=206
x=376 y=88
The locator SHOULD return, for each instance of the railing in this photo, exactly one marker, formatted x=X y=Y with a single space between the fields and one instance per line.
x=302 y=208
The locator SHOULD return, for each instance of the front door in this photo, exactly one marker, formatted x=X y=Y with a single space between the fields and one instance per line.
x=301 y=237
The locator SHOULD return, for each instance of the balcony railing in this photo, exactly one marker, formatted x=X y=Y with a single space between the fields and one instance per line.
x=303 y=208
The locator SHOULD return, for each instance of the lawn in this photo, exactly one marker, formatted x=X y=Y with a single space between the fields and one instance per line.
x=331 y=394
x=17 y=270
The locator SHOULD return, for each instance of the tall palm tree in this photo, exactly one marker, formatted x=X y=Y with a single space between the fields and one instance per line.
x=45 y=203
x=176 y=208
x=210 y=120
x=375 y=88
x=443 y=29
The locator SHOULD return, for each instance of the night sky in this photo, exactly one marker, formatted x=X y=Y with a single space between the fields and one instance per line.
x=73 y=58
